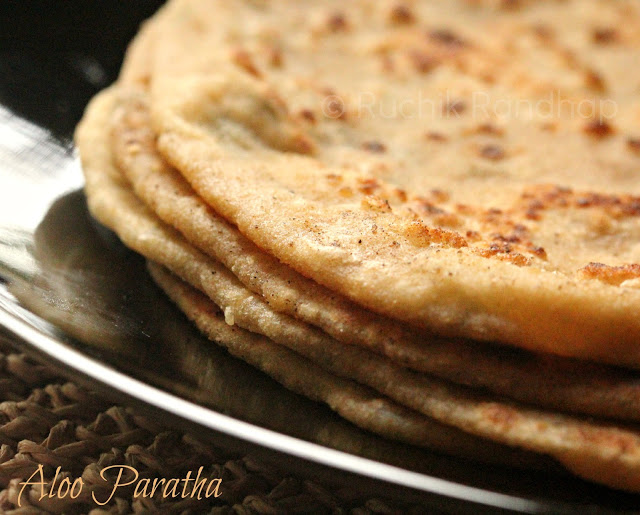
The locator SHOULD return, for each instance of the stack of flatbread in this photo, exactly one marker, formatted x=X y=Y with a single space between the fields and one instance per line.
x=424 y=214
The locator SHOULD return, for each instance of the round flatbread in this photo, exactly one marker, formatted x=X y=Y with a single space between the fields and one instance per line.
x=350 y=145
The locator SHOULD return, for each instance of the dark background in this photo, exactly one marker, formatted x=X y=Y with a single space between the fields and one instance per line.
x=56 y=54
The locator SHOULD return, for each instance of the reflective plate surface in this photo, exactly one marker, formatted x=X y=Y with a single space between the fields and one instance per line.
x=72 y=296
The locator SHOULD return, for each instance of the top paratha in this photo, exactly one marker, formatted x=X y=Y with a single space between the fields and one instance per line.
x=566 y=385
x=367 y=146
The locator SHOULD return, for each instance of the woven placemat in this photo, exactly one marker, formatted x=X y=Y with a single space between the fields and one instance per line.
x=47 y=422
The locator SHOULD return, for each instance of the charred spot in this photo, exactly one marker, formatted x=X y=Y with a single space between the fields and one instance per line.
x=604 y=35
x=374 y=146
x=633 y=144
x=595 y=82
x=422 y=61
x=597 y=200
x=456 y=108
x=337 y=22
x=275 y=57
x=610 y=274
x=400 y=14
x=301 y=144
x=401 y=194
x=447 y=38
x=532 y=214
x=510 y=238
x=369 y=185
x=500 y=247
x=599 y=129
x=429 y=208
x=375 y=203
x=335 y=108
x=537 y=251
x=631 y=208
x=503 y=252
x=307 y=114
x=243 y=59
x=473 y=235
x=492 y=152
x=421 y=235
x=545 y=197
x=436 y=136
x=489 y=129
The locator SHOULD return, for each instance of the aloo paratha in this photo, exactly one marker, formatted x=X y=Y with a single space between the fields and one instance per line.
x=598 y=451
x=533 y=378
x=469 y=222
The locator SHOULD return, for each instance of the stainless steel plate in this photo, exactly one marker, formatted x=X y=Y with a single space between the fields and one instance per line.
x=72 y=296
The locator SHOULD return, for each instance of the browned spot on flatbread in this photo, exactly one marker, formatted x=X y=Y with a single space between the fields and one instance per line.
x=486 y=128
x=605 y=35
x=334 y=108
x=421 y=235
x=243 y=59
x=492 y=152
x=633 y=144
x=401 y=14
x=422 y=61
x=454 y=108
x=436 y=136
x=301 y=144
x=368 y=185
x=500 y=415
x=375 y=203
x=275 y=57
x=503 y=252
x=535 y=200
x=374 y=146
x=599 y=129
x=615 y=275
x=308 y=115
x=337 y=22
x=595 y=81
x=447 y=38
